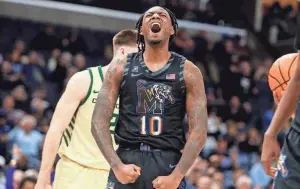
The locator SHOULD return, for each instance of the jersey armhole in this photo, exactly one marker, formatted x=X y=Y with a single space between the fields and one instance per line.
x=127 y=68
x=181 y=73
x=90 y=88
x=101 y=73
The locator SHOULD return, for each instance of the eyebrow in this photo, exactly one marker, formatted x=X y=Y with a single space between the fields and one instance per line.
x=158 y=12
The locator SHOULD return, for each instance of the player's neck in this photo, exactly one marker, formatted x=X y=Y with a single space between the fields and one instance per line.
x=156 y=54
x=118 y=54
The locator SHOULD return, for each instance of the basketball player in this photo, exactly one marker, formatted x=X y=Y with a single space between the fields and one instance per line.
x=156 y=89
x=81 y=164
x=288 y=166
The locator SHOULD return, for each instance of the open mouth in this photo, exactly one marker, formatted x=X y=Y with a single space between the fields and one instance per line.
x=155 y=27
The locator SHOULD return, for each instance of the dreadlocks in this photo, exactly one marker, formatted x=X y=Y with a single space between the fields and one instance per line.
x=140 y=39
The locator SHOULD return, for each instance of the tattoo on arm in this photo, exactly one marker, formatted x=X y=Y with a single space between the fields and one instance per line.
x=106 y=101
x=197 y=117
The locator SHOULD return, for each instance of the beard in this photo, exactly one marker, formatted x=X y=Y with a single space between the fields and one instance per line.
x=155 y=41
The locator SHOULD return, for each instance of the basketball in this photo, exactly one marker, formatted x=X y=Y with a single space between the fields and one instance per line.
x=281 y=73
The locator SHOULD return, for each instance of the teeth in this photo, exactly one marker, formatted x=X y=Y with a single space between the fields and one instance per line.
x=155 y=23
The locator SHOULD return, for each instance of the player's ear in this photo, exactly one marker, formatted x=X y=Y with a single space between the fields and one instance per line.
x=172 y=31
x=122 y=50
x=141 y=30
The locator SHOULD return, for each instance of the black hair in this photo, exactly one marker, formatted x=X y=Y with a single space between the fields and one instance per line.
x=140 y=39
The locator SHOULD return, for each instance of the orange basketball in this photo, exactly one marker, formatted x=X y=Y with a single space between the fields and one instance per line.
x=280 y=74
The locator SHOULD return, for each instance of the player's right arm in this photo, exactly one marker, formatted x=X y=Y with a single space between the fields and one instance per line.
x=286 y=108
x=102 y=115
x=62 y=116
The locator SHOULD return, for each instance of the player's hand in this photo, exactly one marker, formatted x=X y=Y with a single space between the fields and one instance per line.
x=270 y=152
x=127 y=173
x=166 y=182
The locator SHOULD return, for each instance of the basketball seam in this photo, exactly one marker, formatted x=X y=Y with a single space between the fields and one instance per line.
x=279 y=84
x=281 y=73
x=291 y=67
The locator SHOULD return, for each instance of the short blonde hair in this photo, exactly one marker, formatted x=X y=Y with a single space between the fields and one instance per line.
x=125 y=37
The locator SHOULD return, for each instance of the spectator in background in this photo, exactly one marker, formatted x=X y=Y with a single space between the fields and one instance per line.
x=2 y=175
x=21 y=98
x=20 y=46
x=243 y=182
x=74 y=42
x=237 y=111
x=258 y=175
x=223 y=52
x=57 y=75
x=264 y=97
x=40 y=109
x=8 y=104
x=45 y=40
x=218 y=177
x=28 y=183
x=205 y=182
x=201 y=45
x=40 y=93
x=246 y=86
x=18 y=176
x=28 y=140
x=35 y=72
x=4 y=130
x=53 y=60
x=79 y=62
x=183 y=44
x=15 y=59
x=267 y=118
x=248 y=144
x=8 y=79
x=71 y=71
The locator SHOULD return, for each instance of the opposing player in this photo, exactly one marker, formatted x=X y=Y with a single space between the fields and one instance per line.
x=156 y=89
x=288 y=168
x=81 y=164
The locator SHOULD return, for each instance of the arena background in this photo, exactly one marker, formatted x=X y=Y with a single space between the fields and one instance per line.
x=233 y=42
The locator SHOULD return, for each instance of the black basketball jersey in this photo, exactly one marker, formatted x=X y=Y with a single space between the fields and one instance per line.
x=152 y=104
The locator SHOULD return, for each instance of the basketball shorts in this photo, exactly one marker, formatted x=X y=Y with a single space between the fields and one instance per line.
x=288 y=165
x=153 y=163
x=70 y=175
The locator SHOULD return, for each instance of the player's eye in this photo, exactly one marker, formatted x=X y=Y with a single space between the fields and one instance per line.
x=148 y=15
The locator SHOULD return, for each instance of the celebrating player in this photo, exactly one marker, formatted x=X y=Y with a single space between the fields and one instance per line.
x=81 y=164
x=156 y=87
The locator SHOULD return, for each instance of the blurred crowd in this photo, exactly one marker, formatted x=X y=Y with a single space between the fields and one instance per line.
x=240 y=109
x=206 y=11
x=36 y=62
x=279 y=21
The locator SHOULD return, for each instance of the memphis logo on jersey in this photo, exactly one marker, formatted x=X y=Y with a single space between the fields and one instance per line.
x=152 y=97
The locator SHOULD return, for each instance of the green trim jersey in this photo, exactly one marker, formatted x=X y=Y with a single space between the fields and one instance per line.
x=77 y=143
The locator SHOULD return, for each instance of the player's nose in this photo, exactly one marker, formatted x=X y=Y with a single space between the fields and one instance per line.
x=155 y=16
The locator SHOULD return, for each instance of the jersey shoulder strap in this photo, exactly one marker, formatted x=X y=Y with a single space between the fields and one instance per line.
x=96 y=76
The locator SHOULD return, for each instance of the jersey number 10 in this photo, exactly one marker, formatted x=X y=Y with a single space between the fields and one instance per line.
x=155 y=125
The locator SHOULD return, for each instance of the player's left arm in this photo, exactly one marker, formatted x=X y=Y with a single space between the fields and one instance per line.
x=197 y=118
